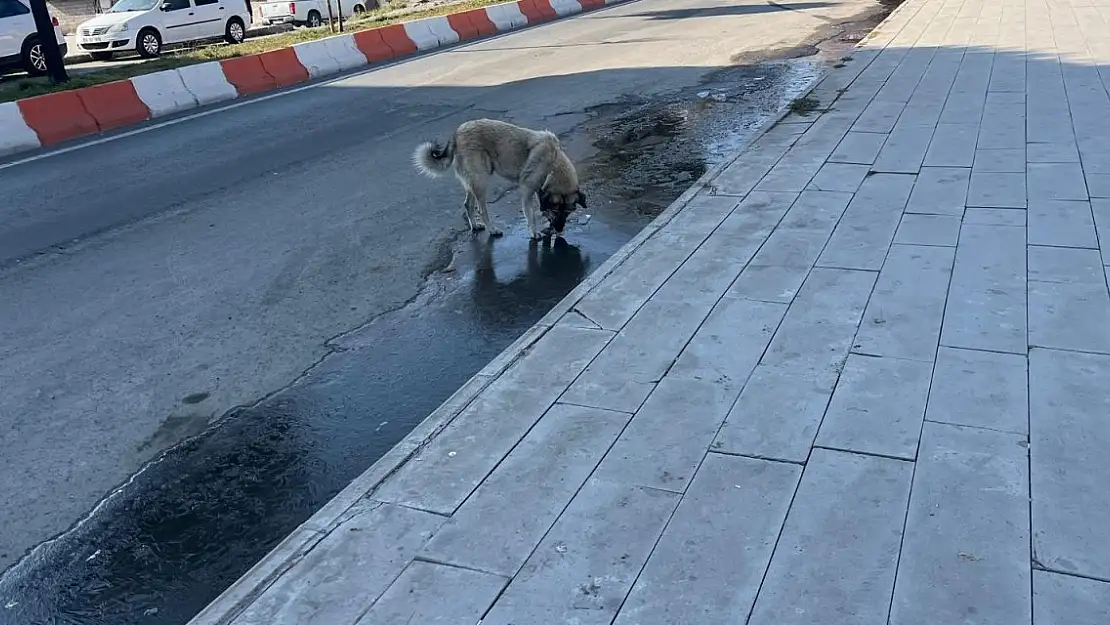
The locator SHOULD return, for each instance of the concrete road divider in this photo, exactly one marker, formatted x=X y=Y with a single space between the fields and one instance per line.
x=284 y=67
x=164 y=93
x=506 y=16
x=344 y=50
x=53 y=118
x=316 y=58
x=15 y=134
x=114 y=104
x=207 y=83
x=57 y=117
x=564 y=8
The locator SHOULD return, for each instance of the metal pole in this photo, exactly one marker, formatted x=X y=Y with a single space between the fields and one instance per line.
x=55 y=66
x=339 y=5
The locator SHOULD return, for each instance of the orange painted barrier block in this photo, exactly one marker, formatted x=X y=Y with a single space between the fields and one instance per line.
x=247 y=75
x=57 y=117
x=589 y=5
x=114 y=104
x=398 y=40
x=460 y=23
x=370 y=43
x=284 y=67
x=481 y=21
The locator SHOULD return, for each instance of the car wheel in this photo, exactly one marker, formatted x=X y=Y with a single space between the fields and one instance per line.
x=149 y=43
x=34 y=59
x=314 y=20
x=358 y=9
x=235 y=32
x=101 y=56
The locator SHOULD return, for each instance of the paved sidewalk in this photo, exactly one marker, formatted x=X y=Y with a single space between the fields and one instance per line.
x=862 y=376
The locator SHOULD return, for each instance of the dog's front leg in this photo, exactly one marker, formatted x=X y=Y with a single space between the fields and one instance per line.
x=530 y=216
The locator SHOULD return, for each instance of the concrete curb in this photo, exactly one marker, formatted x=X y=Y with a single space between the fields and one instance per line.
x=290 y=551
x=54 y=118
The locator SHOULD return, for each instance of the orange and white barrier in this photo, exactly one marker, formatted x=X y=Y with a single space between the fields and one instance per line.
x=66 y=115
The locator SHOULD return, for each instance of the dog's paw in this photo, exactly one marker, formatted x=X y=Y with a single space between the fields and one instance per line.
x=495 y=232
x=477 y=228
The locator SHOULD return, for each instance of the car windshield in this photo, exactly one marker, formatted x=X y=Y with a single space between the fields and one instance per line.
x=123 y=6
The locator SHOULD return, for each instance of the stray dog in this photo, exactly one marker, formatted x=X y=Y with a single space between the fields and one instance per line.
x=531 y=158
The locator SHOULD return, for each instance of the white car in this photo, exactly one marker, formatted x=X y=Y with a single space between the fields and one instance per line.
x=311 y=13
x=145 y=26
x=19 y=39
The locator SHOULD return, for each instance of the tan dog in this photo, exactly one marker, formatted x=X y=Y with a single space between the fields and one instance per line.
x=531 y=158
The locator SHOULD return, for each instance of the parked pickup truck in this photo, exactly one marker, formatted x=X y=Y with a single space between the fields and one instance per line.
x=311 y=13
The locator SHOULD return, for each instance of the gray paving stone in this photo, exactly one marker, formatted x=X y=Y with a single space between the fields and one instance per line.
x=879 y=116
x=905 y=149
x=378 y=542
x=1008 y=72
x=1098 y=185
x=964 y=106
x=861 y=239
x=1066 y=600
x=980 y=389
x=1006 y=160
x=1068 y=399
x=667 y=438
x=1003 y=124
x=539 y=477
x=768 y=283
x=433 y=594
x=996 y=190
x=1069 y=306
x=839 y=177
x=453 y=463
x=987 y=298
x=877 y=407
x=819 y=326
x=621 y=294
x=804 y=230
x=903 y=318
x=627 y=370
x=778 y=413
x=940 y=191
x=915 y=229
x=1052 y=153
x=586 y=565
x=694 y=574
x=953 y=145
x=839 y=547
x=858 y=147
x=966 y=549
x=1056 y=181
x=1064 y=223
x=995 y=217
x=730 y=343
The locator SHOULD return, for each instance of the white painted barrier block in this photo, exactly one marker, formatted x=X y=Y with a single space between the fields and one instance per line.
x=164 y=93
x=207 y=83
x=15 y=134
x=566 y=7
x=315 y=58
x=420 y=32
x=506 y=16
x=442 y=29
x=345 y=52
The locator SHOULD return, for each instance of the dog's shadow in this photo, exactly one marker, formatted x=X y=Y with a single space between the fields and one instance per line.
x=553 y=267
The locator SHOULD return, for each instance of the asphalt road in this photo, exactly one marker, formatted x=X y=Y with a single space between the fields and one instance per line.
x=153 y=282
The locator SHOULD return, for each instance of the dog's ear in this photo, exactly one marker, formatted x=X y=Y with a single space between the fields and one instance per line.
x=581 y=199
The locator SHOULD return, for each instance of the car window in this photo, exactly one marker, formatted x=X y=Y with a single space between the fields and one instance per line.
x=177 y=5
x=201 y=3
x=12 y=8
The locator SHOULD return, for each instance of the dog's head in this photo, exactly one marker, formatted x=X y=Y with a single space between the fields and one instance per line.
x=557 y=207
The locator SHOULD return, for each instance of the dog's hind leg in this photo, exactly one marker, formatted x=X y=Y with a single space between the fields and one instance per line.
x=478 y=196
x=468 y=212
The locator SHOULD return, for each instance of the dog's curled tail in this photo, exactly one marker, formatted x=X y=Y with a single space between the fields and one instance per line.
x=432 y=159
